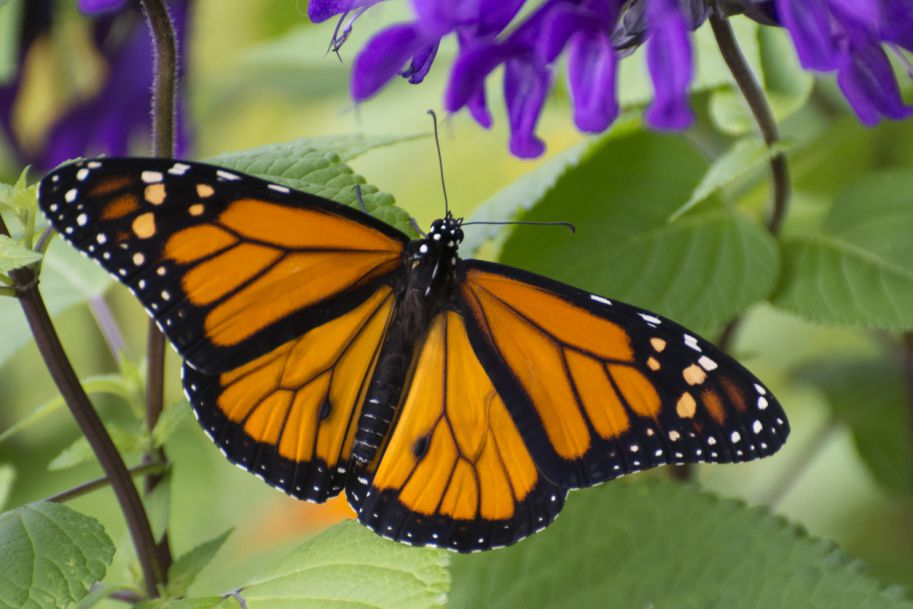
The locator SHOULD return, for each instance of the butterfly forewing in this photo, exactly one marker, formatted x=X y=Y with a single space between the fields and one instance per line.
x=230 y=266
x=600 y=389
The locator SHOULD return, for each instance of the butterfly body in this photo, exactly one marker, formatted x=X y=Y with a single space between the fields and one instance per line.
x=427 y=280
x=455 y=401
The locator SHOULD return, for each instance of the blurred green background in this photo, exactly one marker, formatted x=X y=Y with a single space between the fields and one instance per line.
x=258 y=74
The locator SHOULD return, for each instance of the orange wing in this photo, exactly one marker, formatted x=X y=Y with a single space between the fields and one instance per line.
x=455 y=472
x=290 y=416
x=599 y=388
x=230 y=266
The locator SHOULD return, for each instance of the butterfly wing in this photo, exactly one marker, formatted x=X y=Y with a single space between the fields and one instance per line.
x=599 y=389
x=290 y=415
x=455 y=471
x=230 y=266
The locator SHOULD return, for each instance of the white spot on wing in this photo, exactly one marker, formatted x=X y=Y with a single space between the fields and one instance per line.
x=225 y=175
x=604 y=301
x=179 y=169
x=82 y=174
x=279 y=188
x=151 y=177
x=707 y=363
x=70 y=196
x=650 y=319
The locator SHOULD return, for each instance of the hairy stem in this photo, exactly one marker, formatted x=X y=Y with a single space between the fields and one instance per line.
x=164 y=91
x=89 y=422
x=760 y=109
x=94 y=485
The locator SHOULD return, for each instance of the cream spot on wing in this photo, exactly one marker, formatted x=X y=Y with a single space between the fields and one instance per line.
x=686 y=406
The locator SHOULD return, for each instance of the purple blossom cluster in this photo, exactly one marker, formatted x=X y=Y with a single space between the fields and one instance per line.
x=116 y=114
x=846 y=36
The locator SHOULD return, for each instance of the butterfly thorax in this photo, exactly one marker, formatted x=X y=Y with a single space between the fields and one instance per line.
x=430 y=276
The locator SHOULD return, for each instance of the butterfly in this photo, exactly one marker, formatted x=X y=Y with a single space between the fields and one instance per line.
x=455 y=401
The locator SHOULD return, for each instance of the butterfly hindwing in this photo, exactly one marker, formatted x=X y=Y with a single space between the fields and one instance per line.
x=599 y=389
x=229 y=265
x=455 y=471
x=290 y=415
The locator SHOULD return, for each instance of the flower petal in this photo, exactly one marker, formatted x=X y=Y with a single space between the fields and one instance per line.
x=867 y=80
x=100 y=6
x=670 y=64
x=472 y=66
x=421 y=64
x=591 y=71
x=383 y=57
x=321 y=10
x=809 y=24
x=526 y=84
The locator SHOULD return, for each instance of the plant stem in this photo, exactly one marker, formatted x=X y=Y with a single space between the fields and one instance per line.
x=93 y=485
x=109 y=330
x=801 y=463
x=89 y=422
x=164 y=91
x=757 y=103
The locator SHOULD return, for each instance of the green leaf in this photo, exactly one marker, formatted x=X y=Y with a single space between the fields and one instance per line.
x=80 y=451
x=14 y=255
x=51 y=555
x=662 y=544
x=700 y=270
x=743 y=157
x=169 y=421
x=303 y=165
x=858 y=269
x=517 y=197
x=786 y=85
x=7 y=476
x=349 y=567
x=208 y=602
x=184 y=570
x=346 y=146
x=871 y=397
x=103 y=383
x=67 y=278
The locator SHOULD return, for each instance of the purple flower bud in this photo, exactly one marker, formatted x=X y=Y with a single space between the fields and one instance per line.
x=670 y=64
x=867 y=80
x=100 y=6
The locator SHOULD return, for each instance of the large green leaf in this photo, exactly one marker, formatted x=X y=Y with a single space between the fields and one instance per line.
x=349 y=567
x=871 y=397
x=857 y=270
x=315 y=166
x=50 y=556
x=666 y=545
x=700 y=270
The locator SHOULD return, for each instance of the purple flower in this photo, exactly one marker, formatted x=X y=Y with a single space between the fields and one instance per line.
x=845 y=36
x=116 y=115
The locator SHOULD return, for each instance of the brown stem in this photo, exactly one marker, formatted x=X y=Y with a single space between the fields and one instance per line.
x=164 y=91
x=94 y=485
x=757 y=103
x=89 y=422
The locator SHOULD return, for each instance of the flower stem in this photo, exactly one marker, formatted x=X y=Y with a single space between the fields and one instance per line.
x=89 y=422
x=164 y=91
x=93 y=485
x=763 y=116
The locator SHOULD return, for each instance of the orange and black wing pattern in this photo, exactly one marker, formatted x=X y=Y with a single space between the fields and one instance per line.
x=598 y=389
x=290 y=416
x=455 y=471
x=230 y=267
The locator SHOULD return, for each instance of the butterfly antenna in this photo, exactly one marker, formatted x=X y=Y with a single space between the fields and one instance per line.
x=440 y=161
x=568 y=225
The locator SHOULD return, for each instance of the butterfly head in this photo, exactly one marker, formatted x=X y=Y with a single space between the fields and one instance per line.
x=447 y=232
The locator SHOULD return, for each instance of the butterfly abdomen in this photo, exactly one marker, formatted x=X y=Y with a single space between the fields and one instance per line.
x=429 y=278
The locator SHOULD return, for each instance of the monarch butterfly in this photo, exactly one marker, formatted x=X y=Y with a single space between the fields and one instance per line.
x=455 y=401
